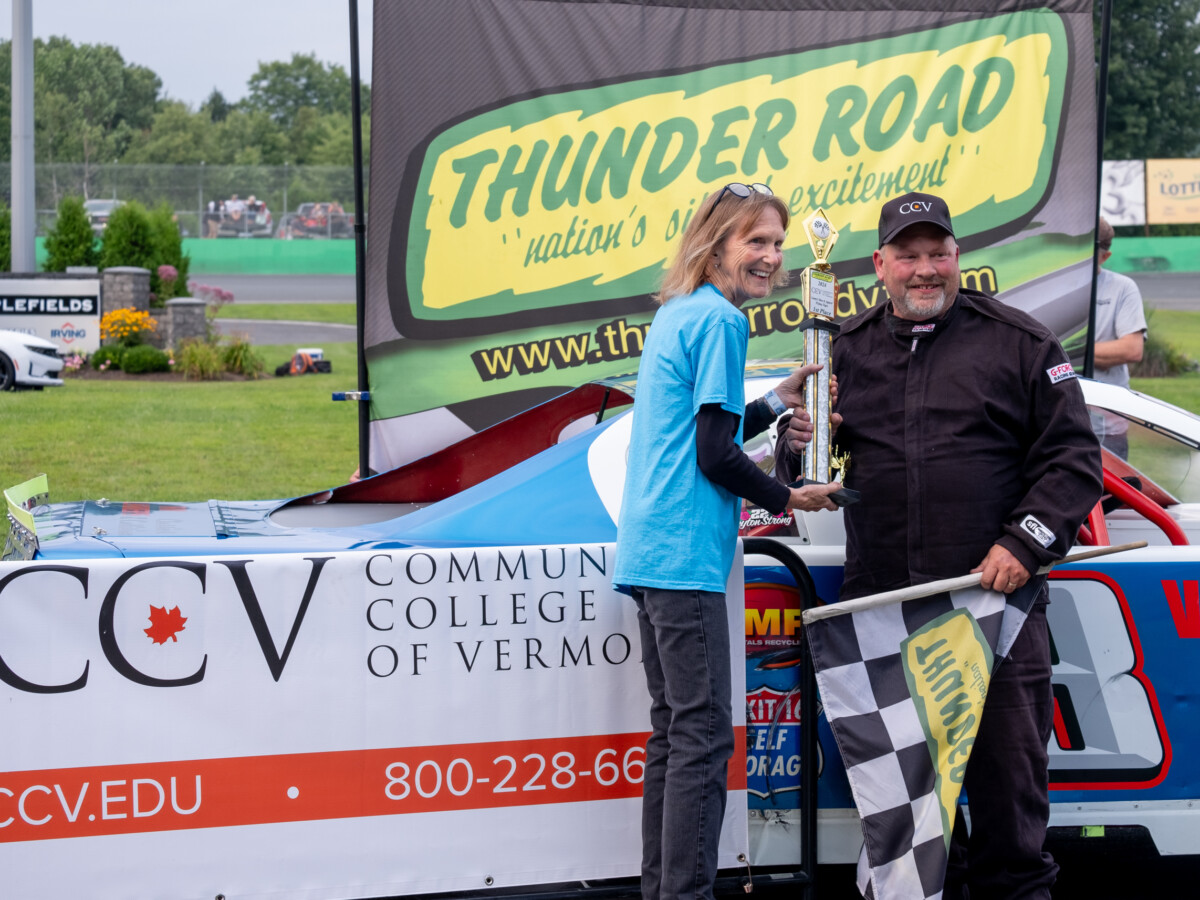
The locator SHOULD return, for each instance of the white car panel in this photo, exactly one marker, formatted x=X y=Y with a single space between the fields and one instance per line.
x=28 y=361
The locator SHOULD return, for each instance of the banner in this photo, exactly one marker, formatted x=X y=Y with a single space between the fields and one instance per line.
x=1172 y=191
x=531 y=177
x=327 y=726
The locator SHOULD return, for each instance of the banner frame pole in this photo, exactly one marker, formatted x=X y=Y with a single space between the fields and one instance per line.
x=1089 y=351
x=360 y=250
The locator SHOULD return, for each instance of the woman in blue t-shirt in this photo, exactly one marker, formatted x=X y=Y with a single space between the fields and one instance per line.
x=677 y=530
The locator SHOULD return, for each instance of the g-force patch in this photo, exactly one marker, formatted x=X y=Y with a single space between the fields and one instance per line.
x=1060 y=373
x=1037 y=531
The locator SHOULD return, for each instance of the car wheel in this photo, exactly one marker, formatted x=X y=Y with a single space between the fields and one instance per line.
x=8 y=374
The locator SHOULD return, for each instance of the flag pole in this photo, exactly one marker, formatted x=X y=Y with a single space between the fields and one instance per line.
x=940 y=587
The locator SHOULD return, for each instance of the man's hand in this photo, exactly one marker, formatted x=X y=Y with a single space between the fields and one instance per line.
x=799 y=430
x=1001 y=571
x=812 y=497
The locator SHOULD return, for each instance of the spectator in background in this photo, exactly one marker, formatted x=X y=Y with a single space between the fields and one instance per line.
x=212 y=217
x=1120 y=338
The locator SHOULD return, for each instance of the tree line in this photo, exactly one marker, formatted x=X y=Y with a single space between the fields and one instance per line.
x=91 y=107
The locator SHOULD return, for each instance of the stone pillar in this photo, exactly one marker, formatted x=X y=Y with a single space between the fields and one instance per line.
x=184 y=321
x=126 y=287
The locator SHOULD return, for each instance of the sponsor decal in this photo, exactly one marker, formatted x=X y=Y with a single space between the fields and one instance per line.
x=923 y=329
x=1109 y=731
x=1184 y=602
x=67 y=333
x=1060 y=373
x=1037 y=531
x=757 y=517
x=947 y=665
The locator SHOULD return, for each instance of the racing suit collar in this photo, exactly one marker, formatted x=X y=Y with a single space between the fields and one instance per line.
x=908 y=330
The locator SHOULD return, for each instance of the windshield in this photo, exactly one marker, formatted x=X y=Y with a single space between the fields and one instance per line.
x=1171 y=464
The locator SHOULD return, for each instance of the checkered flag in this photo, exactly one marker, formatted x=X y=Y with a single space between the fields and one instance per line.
x=903 y=685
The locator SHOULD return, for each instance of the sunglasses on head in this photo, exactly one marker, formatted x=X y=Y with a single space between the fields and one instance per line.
x=741 y=191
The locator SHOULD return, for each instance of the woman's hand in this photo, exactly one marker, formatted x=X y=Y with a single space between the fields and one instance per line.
x=812 y=497
x=791 y=389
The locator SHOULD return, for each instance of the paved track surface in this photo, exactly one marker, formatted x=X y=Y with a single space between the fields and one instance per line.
x=302 y=334
x=284 y=288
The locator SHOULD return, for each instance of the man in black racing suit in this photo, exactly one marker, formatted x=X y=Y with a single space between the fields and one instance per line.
x=971 y=446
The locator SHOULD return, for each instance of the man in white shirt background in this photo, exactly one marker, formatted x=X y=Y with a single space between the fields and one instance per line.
x=1120 y=338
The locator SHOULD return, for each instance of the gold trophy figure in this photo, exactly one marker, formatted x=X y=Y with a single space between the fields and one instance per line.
x=818 y=288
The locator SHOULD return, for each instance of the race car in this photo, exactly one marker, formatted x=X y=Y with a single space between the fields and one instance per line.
x=28 y=361
x=1126 y=628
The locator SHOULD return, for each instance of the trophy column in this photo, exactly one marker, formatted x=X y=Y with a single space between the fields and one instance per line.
x=819 y=296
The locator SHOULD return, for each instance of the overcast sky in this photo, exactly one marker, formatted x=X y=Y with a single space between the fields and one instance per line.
x=196 y=46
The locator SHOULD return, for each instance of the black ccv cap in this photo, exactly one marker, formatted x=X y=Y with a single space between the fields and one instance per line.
x=910 y=209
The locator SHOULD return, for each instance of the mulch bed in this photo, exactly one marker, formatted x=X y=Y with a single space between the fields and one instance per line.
x=89 y=374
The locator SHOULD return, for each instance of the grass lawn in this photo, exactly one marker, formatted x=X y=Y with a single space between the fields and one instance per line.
x=1181 y=329
x=1178 y=327
x=332 y=313
x=259 y=440
x=1183 y=391
x=170 y=440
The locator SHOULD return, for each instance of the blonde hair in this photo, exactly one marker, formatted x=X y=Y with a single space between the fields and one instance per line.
x=721 y=215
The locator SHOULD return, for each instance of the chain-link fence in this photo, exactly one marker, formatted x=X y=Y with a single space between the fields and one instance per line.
x=259 y=201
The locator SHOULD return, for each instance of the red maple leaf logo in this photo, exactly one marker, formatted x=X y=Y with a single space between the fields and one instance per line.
x=164 y=625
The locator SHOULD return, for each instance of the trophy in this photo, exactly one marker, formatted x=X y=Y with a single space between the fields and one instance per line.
x=819 y=296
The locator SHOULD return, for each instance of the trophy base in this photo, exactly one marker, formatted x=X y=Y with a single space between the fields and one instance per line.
x=844 y=497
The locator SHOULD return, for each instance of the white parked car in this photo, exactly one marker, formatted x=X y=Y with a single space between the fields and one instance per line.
x=28 y=361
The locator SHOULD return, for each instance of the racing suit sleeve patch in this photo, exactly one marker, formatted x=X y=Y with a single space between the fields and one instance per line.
x=1061 y=372
x=1037 y=531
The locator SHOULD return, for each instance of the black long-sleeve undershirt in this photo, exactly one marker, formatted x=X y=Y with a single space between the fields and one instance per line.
x=723 y=462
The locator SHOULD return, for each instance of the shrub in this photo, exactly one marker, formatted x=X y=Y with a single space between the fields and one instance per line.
x=144 y=358
x=128 y=239
x=1159 y=358
x=73 y=362
x=5 y=238
x=239 y=357
x=127 y=327
x=71 y=242
x=200 y=360
x=168 y=251
x=106 y=358
x=214 y=298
